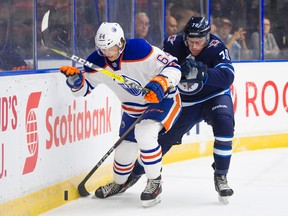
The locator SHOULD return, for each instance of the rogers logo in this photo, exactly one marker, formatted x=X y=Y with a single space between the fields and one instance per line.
x=32 y=132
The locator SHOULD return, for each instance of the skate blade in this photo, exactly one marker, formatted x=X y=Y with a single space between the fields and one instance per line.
x=150 y=203
x=224 y=200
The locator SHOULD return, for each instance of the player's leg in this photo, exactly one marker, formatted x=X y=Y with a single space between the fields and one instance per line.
x=221 y=118
x=157 y=116
x=146 y=133
x=167 y=139
x=122 y=166
x=138 y=169
x=123 y=163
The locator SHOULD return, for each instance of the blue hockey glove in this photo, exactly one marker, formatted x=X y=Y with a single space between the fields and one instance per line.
x=157 y=87
x=74 y=76
x=194 y=71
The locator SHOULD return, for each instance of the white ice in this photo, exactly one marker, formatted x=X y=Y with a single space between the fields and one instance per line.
x=259 y=179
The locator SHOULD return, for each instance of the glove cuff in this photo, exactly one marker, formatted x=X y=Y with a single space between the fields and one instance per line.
x=162 y=81
x=75 y=81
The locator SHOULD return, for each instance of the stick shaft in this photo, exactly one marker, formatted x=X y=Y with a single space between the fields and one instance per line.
x=81 y=187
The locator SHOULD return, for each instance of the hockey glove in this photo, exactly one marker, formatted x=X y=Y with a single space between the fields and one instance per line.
x=74 y=76
x=157 y=87
x=194 y=71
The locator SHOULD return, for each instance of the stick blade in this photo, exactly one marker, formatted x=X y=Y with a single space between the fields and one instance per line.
x=82 y=190
x=56 y=32
x=45 y=28
x=45 y=20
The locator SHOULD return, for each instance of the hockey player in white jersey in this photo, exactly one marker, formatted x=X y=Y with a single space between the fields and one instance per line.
x=154 y=70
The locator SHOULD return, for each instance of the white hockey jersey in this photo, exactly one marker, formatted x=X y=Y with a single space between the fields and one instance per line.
x=139 y=62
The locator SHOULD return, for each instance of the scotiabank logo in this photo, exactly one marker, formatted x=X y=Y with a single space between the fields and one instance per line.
x=76 y=125
x=32 y=132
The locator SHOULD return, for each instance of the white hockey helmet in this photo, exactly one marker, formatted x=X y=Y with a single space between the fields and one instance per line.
x=109 y=35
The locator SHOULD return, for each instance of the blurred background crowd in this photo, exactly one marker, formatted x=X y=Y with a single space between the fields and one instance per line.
x=253 y=30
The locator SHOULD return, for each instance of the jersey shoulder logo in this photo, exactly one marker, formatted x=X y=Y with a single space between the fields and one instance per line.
x=171 y=39
x=214 y=43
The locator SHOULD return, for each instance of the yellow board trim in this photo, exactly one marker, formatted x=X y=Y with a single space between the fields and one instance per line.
x=52 y=197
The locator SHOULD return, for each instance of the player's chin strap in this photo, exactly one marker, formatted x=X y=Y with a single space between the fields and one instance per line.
x=45 y=35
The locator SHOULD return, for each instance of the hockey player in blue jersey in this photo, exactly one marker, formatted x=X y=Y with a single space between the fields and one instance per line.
x=158 y=74
x=207 y=74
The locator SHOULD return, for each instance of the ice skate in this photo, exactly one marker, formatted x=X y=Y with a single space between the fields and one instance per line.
x=108 y=190
x=221 y=186
x=151 y=194
x=112 y=189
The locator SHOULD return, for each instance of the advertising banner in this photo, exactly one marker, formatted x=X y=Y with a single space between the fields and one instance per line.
x=47 y=135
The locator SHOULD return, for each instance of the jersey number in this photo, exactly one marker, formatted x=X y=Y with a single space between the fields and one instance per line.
x=162 y=59
x=225 y=54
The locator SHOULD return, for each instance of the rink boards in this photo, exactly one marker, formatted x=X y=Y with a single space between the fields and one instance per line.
x=49 y=140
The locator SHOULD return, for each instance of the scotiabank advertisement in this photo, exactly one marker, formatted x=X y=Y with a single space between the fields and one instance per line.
x=47 y=135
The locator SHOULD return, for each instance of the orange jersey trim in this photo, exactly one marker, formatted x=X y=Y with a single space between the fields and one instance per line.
x=168 y=123
x=132 y=109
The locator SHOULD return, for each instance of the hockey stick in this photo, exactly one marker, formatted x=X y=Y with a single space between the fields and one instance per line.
x=45 y=35
x=81 y=187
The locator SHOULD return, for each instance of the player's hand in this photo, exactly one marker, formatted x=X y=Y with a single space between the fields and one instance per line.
x=74 y=76
x=157 y=87
x=194 y=71
x=69 y=70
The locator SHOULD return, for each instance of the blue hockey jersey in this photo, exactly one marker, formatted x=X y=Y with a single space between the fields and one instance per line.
x=220 y=69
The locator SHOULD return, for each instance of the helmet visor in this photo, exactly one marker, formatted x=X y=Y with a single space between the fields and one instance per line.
x=112 y=51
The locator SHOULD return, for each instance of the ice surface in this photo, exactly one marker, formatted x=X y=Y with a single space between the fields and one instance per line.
x=258 y=178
